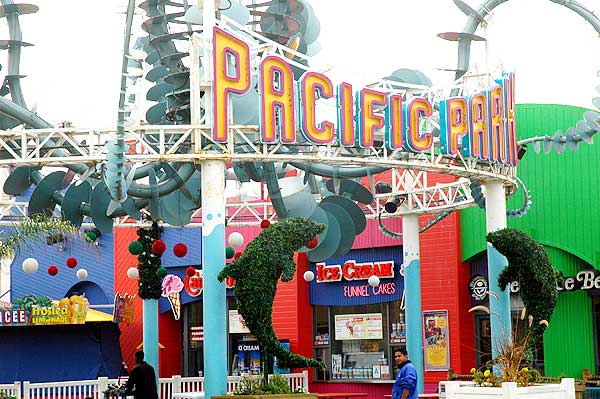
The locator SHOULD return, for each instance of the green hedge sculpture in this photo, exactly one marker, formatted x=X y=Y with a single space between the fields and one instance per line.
x=528 y=263
x=269 y=257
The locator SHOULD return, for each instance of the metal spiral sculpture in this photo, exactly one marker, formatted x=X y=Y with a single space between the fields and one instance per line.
x=170 y=191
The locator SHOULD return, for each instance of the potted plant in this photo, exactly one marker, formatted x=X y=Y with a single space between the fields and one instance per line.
x=254 y=387
x=507 y=376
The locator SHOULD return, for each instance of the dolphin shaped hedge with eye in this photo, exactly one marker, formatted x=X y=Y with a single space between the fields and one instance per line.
x=528 y=263
x=269 y=257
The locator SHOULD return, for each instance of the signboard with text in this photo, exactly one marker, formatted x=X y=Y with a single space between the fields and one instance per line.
x=343 y=281
x=436 y=348
x=358 y=326
x=66 y=311
x=237 y=324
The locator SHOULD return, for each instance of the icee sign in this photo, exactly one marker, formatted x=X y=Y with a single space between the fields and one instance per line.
x=480 y=126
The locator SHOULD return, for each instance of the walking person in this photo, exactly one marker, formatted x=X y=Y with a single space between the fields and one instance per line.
x=405 y=386
x=142 y=380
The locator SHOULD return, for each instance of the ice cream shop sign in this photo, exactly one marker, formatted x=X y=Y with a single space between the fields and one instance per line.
x=194 y=284
x=346 y=282
x=352 y=270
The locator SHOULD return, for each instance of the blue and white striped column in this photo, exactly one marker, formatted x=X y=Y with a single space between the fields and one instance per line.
x=213 y=260
x=412 y=294
x=495 y=216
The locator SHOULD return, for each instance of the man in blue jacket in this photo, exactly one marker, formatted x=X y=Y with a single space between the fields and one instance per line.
x=405 y=386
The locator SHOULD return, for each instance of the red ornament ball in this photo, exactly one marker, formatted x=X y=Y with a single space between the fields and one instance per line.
x=159 y=247
x=237 y=255
x=180 y=250
x=190 y=271
x=52 y=270
x=71 y=262
x=264 y=224
x=312 y=243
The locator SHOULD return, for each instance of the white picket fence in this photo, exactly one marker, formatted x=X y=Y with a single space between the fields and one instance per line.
x=95 y=388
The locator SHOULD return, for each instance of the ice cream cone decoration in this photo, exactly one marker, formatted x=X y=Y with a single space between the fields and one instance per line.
x=175 y=300
x=171 y=289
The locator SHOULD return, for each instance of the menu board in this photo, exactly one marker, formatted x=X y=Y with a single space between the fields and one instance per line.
x=359 y=326
x=237 y=324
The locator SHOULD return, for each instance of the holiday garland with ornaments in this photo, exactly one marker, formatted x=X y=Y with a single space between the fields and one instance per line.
x=149 y=262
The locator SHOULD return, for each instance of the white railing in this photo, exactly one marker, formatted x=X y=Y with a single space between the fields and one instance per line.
x=11 y=389
x=95 y=388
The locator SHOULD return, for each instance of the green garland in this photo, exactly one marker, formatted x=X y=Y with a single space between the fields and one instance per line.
x=149 y=286
x=269 y=257
x=528 y=263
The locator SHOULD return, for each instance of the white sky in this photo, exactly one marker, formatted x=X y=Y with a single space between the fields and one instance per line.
x=74 y=67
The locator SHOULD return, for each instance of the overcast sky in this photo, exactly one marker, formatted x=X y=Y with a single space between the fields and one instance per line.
x=73 y=69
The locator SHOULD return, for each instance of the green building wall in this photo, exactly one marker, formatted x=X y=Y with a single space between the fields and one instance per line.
x=565 y=218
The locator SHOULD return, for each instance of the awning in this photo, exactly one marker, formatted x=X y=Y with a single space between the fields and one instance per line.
x=97 y=316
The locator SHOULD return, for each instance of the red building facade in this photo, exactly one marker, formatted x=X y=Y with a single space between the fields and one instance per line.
x=443 y=278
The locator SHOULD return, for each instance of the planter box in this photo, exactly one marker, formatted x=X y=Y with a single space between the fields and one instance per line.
x=509 y=390
x=282 y=396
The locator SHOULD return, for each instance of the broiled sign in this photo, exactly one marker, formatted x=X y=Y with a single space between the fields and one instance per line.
x=351 y=270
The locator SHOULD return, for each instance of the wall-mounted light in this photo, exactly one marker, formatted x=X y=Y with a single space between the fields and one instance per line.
x=522 y=149
x=393 y=203
x=383 y=188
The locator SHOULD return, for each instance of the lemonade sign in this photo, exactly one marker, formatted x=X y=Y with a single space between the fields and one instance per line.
x=72 y=310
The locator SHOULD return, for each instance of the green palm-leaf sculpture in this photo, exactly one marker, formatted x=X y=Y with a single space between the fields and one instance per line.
x=31 y=230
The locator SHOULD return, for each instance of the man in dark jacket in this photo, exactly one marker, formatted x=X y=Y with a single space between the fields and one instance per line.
x=405 y=386
x=142 y=380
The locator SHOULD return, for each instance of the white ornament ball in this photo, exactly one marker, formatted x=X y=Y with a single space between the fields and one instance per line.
x=236 y=239
x=133 y=273
x=82 y=274
x=373 y=280
x=309 y=276
x=30 y=265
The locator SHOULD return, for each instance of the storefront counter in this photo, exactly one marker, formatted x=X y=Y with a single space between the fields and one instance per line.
x=374 y=389
x=355 y=381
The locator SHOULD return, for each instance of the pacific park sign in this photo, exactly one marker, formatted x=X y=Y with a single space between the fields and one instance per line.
x=481 y=125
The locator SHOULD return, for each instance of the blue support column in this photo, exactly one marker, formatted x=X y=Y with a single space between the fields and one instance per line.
x=412 y=292
x=495 y=212
x=150 y=333
x=214 y=295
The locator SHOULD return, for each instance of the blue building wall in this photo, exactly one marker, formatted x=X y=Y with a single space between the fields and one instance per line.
x=97 y=260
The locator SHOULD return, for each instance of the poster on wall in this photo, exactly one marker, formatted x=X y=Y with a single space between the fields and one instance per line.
x=435 y=326
x=124 y=308
x=237 y=324
x=358 y=326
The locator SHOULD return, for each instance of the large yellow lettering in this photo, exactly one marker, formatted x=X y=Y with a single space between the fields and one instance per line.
x=369 y=120
x=277 y=106
x=414 y=139
x=314 y=86
x=345 y=115
x=231 y=75
x=496 y=110
x=479 y=137
x=453 y=124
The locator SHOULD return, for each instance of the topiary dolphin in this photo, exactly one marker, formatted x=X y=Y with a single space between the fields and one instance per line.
x=528 y=263
x=267 y=258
